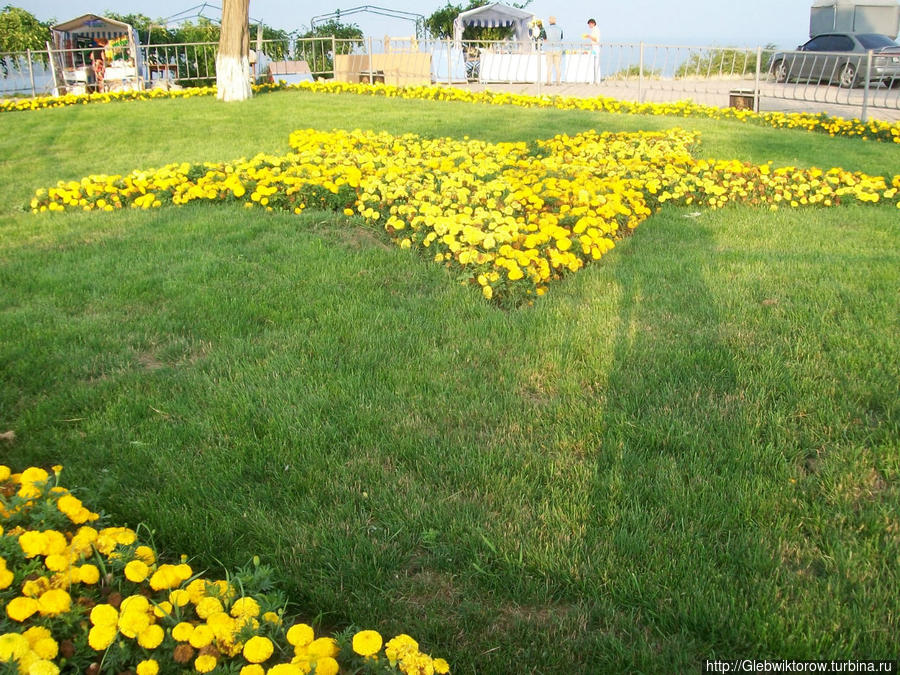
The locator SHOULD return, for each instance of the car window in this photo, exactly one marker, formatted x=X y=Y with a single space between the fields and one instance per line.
x=817 y=44
x=875 y=41
x=840 y=43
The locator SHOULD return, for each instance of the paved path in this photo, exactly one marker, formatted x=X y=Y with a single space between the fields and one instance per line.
x=773 y=97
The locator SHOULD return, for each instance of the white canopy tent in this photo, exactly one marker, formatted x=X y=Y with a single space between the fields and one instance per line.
x=496 y=15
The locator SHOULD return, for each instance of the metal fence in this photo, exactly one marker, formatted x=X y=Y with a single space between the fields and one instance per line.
x=759 y=78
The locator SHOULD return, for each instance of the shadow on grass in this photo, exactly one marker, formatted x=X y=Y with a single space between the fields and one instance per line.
x=675 y=506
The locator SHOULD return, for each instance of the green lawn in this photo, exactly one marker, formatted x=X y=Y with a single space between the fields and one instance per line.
x=688 y=450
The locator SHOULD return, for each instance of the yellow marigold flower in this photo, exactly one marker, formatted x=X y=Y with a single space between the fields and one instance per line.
x=146 y=554
x=245 y=607
x=55 y=542
x=258 y=649
x=327 y=666
x=220 y=589
x=184 y=571
x=6 y=577
x=104 y=615
x=201 y=636
x=441 y=667
x=54 y=602
x=367 y=642
x=101 y=637
x=253 y=669
x=132 y=623
x=166 y=577
x=56 y=562
x=32 y=543
x=148 y=667
x=33 y=474
x=82 y=542
x=136 y=604
x=88 y=574
x=197 y=590
x=151 y=637
x=287 y=669
x=300 y=635
x=205 y=663
x=324 y=646
x=5 y=473
x=72 y=507
x=121 y=535
x=36 y=634
x=43 y=667
x=178 y=598
x=42 y=642
x=162 y=609
x=136 y=571
x=222 y=625
x=13 y=646
x=20 y=608
x=399 y=646
x=208 y=606
x=182 y=632
x=272 y=617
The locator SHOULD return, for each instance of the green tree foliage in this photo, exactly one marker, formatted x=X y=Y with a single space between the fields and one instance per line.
x=196 y=62
x=318 y=54
x=19 y=32
x=150 y=31
x=342 y=31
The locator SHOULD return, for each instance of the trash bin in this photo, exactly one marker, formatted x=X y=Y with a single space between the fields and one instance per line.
x=371 y=76
x=742 y=99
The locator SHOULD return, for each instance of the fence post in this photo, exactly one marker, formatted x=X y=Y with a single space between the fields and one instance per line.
x=865 y=104
x=333 y=56
x=756 y=80
x=540 y=61
x=641 y=73
x=449 y=64
x=371 y=68
x=55 y=90
x=31 y=74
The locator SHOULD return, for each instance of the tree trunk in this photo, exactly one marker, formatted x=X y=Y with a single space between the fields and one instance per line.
x=233 y=60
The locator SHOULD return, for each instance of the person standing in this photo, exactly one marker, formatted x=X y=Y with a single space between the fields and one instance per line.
x=553 y=42
x=593 y=35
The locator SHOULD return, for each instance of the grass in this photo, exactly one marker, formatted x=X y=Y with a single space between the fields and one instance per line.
x=688 y=450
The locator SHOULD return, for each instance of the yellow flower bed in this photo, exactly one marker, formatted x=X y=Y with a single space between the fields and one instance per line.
x=504 y=216
x=817 y=122
x=80 y=598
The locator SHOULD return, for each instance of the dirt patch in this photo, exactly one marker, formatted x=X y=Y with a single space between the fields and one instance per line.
x=149 y=362
x=355 y=238
x=426 y=588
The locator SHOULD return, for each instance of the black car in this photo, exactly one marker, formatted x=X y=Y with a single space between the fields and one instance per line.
x=840 y=58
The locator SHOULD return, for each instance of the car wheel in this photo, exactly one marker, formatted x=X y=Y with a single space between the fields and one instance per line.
x=847 y=78
x=780 y=71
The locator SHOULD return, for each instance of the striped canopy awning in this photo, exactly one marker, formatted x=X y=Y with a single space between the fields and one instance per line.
x=496 y=15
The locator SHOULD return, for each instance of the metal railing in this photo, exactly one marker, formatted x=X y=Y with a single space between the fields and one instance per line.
x=25 y=73
x=638 y=72
x=854 y=80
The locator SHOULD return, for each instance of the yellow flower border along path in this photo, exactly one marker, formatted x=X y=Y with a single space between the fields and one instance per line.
x=821 y=123
x=498 y=215
x=77 y=599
